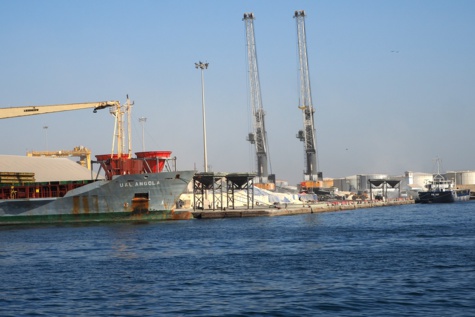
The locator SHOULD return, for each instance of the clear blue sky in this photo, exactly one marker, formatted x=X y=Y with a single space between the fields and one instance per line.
x=393 y=82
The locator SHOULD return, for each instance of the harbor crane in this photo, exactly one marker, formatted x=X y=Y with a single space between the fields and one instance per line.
x=258 y=137
x=115 y=109
x=307 y=135
x=82 y=152
x=14 y=112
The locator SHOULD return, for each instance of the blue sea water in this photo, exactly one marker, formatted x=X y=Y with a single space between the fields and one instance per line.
x=412 y=260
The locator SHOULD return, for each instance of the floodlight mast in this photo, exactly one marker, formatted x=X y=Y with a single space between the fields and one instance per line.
x=259 y=136
x=307 y=135
x=202 y=66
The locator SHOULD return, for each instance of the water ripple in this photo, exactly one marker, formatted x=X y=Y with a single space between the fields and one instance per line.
x=396 y=261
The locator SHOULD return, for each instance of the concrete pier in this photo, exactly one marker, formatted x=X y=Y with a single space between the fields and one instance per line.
x=286 y=210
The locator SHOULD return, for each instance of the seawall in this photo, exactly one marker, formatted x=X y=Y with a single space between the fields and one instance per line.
x=284 y=210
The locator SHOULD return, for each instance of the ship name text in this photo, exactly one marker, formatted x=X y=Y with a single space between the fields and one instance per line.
x=139 y=184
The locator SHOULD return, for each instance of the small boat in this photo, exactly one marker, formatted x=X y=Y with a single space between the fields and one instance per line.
x=441 y=190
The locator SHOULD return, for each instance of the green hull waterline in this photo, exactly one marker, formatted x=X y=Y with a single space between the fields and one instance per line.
x=145 y=216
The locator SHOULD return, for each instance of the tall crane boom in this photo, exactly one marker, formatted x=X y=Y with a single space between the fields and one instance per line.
x=258 y=136
x=307 y=135
x=116 y=110
x=14 y=112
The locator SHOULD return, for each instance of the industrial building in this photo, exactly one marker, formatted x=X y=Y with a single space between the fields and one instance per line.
x=410 y=182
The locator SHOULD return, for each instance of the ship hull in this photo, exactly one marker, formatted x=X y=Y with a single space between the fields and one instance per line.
x=135 y=197
x=448 y=196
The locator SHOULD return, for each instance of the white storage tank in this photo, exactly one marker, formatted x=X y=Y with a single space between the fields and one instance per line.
x=461 y=177
x=468 y=177
x=418 y=180
x=341 y=184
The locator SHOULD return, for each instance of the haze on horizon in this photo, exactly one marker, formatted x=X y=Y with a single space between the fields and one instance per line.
x=392 y=81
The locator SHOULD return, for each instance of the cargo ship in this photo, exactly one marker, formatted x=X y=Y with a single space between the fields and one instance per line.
x=131 y=188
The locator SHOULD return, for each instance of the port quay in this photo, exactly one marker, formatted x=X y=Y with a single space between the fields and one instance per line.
x=237 y=197
x=287 y=210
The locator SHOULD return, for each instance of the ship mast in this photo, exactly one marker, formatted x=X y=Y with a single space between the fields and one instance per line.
x=258 y=137
x=307 y=135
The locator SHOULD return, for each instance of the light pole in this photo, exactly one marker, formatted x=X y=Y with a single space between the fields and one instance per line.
x=203 y=66
x=46 y=136
x=142 y=120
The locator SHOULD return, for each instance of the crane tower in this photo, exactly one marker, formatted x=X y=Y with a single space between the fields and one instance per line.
x=307 y=135
x=258 y=136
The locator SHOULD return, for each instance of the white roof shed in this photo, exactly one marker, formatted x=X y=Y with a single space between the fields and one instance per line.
x=46 y=169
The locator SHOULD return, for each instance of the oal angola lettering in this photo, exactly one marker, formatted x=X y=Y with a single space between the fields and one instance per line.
x=139 y=184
